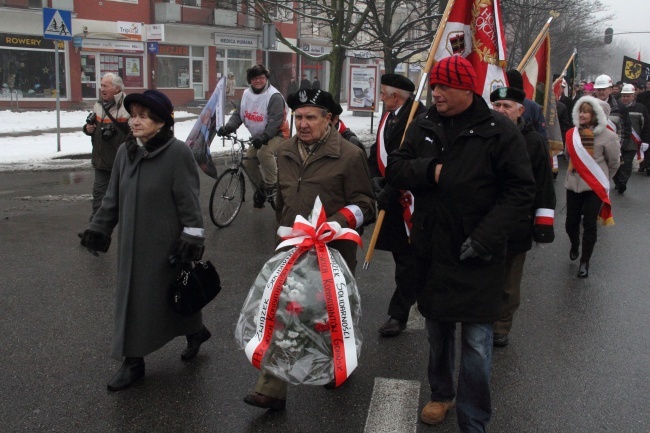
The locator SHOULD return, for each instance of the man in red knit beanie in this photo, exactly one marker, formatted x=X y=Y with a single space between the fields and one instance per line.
x=471 y=179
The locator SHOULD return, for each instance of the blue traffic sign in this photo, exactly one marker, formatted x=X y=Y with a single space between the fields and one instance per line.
x=57 y=24
x=152 y=47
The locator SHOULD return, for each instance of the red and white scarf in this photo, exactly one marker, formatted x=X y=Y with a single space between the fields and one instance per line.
x=305 y=235
x=407 y=200
x=589 y=170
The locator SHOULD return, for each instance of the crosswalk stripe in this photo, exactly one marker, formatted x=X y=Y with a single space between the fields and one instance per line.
x=393 y=406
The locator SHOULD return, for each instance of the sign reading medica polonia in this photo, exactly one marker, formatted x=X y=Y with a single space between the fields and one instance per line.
x=221 y=39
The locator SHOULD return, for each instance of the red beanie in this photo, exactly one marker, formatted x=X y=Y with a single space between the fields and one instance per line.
x=454 y=71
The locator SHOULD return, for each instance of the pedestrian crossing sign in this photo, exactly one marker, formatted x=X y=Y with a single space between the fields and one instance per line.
x=57 y=24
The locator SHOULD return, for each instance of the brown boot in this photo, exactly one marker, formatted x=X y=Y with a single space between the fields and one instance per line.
x=435 y=411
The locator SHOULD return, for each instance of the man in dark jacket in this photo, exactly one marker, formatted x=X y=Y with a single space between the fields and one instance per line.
x=397 y=94
x=533 y=111
x=537 y=224
x=106 y=134
x=639 y=119
x=305 y=83
x=620 y=117
x=469 y=172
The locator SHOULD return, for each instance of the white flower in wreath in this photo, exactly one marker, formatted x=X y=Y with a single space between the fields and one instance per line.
x=293 y=334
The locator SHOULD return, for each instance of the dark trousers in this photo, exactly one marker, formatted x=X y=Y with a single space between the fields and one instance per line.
x=512 y=292
x=625 y=170
x=408 y=279
x=102 y=177
x=582 y=206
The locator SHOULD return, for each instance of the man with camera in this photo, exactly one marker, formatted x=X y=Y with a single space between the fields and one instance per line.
x=107 y=126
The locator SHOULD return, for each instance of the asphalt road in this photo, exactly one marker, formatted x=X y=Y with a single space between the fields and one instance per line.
x=578 y=361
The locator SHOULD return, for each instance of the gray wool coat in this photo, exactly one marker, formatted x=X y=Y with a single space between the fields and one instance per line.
x=153 y=197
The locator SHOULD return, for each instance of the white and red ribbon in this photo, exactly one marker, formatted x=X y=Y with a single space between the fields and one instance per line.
x=544 y=217
x=304 y=235
x=407 y=200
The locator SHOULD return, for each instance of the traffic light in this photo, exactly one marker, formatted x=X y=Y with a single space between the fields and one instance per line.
x=609 y=34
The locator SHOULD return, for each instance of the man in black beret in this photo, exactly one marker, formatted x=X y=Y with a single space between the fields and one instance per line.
x=397 y=94
x=538 y=224
x=317 y=161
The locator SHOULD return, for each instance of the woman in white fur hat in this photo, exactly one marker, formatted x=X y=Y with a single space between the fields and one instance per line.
x=594 y=157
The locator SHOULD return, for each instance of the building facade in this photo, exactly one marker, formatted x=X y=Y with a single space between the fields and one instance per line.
x=179 y=47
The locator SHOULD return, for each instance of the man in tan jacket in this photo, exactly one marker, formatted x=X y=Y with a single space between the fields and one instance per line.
x=317 y=161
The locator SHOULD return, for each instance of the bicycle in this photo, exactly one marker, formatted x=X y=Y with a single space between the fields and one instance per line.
x=229 y=191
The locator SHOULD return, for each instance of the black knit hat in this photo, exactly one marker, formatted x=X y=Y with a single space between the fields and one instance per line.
x=256 y=71
x=156 y=101
x=311 y=98
x=514 y=79
x=509 y=94
x=397 y=81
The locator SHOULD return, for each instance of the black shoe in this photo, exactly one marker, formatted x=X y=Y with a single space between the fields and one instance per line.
x=194 y=342
x=583 y=272
x=574 y=252
x=621 y=188
x=264 y=401
x=392 y=328
x=499 y=340
x=258 y=199
x=131 y=371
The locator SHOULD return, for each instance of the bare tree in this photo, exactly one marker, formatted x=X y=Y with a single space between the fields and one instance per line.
x=400 y=29
x=340 y=21
x=579 y=25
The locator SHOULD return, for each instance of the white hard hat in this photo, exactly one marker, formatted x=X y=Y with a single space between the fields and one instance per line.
x=627 y=88
x=603 y=82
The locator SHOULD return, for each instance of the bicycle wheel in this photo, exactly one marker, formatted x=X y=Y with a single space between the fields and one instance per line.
x=227 y=197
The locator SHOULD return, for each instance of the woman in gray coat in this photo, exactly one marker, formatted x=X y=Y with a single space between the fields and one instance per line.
x=154 y=195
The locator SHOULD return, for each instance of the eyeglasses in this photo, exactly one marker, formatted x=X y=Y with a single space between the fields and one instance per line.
x=259 y=78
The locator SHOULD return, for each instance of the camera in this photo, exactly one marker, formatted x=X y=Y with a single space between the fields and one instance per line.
x=108 y=132
x=90 y=120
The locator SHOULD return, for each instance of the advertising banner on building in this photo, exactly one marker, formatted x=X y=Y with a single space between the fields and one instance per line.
x=363 y=88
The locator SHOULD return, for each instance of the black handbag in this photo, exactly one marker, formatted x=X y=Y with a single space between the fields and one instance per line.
x=195 y=286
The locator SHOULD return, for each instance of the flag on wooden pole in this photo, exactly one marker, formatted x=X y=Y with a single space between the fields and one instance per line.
x=474 y=30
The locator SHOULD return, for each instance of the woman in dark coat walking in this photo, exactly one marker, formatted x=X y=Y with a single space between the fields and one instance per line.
x=154 y=195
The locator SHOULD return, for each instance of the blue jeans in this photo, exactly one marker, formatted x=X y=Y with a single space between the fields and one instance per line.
x=473 y=404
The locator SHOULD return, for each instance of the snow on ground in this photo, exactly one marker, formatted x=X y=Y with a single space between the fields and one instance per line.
x=40 y=149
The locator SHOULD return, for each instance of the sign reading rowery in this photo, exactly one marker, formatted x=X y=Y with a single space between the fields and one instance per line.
x=235 y=41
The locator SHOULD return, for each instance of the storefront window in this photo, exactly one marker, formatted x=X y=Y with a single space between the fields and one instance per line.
x=28 y=72
x=173 y=67
x=236 y=62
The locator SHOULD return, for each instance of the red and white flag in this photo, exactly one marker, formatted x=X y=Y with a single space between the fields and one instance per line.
x=538 y=87
x=474 y=30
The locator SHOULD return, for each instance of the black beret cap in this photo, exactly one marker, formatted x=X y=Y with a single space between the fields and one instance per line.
x=397 y=81
x=508 y=93
x=311 y=98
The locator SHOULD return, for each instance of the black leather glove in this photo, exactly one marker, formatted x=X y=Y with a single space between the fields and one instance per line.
x=260 y=140
x=224 y=130
x=543 y=234
x=387 y=196
x=95 y=241
x=472 y=248
x=185 y=252
x=378 y=184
